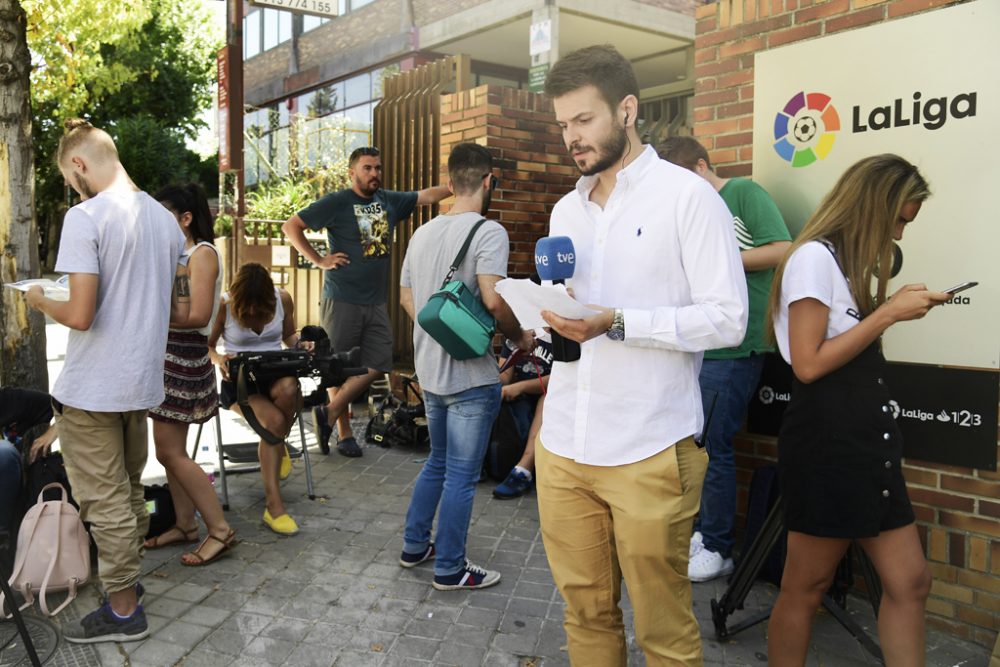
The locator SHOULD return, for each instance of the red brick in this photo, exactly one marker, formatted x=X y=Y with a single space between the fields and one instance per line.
x=719 y=37
x=704 y=86
x=954 y=629
x=855 y=20
x=741 y=46
x=979 y=581
x=704 y=114
x=719 y=97
x=706 y=55
x=739 y=109
x=746 y=93
x=703 y=12
x=764 y=26
x=980 y=617
x=831 y=8
x=920 y=476
x=796 y=34
x=971 y=485
x=705 y=25
x=734 y=170
x=740 y=139
x=746 y=123
x=735 y=78
x=903 y=7
x=717 y=127
x=941 y=500
x=746 y=153
x=971 y=524
x=956 y=549
x=926 y=514
x=987 y=508
x=711 y=69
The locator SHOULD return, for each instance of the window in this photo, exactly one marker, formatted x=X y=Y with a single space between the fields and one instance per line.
x=358 y=4
x=357 y=89
x=251 y=34
x=270 y=28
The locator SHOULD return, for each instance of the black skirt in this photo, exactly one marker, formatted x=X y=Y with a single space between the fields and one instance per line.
x=839 y=454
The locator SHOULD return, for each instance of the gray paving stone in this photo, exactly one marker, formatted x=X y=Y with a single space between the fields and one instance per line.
x=307 y=655
x=157 y=652
x=459 y=655
x=183 y=633
x=426 y=628
x=289 y=629
x=202 y=657
x=416 y=647
x=274 y=651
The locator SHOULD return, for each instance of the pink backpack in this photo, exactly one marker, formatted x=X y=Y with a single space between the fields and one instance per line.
x=53 y=552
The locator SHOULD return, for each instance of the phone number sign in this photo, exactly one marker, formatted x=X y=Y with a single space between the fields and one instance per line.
x=317 y=7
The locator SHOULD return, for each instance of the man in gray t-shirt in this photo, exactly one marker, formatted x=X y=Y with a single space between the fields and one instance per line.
x=121 y=249
x=462 y=397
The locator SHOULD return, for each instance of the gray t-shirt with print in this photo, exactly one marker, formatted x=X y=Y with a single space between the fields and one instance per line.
x=431 y=251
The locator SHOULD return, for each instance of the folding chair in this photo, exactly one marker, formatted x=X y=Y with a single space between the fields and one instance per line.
x=244 y=454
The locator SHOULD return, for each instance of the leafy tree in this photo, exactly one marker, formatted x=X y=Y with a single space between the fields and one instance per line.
x=141 y=69
x=22 y=332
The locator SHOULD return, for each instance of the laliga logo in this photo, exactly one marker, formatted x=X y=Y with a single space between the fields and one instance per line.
x=805 y=129
x=894 y=406
x=767 y=395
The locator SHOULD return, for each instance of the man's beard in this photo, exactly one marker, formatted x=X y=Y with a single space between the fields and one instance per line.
x=369 y=191
x=609 y=151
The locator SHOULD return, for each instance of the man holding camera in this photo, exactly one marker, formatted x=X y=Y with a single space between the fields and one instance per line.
x=121 y=249
x=360 y=223
x=462 y=398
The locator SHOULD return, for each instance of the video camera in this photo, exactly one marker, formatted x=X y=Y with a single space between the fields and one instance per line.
x=328 y=368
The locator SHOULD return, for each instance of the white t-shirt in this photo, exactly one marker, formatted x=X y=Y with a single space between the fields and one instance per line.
x=812 y=272
x=133 y=244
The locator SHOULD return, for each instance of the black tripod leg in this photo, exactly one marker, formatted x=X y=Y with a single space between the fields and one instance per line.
x=22 y=629
x=746 y=572
x=848 y=623
x=872 y=582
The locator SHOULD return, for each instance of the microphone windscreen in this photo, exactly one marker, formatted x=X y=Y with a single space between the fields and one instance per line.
x=554 y=258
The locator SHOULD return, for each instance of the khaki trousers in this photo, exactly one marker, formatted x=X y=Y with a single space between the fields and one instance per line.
x=602 y=523
x=105 y=453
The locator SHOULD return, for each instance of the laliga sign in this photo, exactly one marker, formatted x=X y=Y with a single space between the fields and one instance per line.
x=805 y=129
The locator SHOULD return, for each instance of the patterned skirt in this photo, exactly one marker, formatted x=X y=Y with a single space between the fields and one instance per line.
x=188 y=381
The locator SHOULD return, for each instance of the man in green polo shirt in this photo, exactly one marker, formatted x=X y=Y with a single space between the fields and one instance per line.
x=360 y=223
x=729 y=376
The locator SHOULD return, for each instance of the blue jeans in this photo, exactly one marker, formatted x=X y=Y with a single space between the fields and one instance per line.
x=10 y=482
x=459 y=426
x=730 y=383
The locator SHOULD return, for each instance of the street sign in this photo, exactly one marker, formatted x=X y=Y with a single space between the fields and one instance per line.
x=536 y=77
x=327 y=8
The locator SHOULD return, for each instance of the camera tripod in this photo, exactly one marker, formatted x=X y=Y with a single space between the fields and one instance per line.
x=835 y=600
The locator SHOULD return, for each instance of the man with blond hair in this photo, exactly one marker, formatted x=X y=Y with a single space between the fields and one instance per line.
x=121 y=249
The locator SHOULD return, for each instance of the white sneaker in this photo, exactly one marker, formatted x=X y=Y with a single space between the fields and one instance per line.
x=707 y=565
x=696 y=545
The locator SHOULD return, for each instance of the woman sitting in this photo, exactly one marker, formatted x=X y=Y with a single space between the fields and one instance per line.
x=255 y=316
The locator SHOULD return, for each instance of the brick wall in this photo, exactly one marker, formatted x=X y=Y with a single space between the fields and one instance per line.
x=958 y=514
x=534 y=167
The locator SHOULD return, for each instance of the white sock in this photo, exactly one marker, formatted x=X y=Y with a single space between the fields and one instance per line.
x=525 y=472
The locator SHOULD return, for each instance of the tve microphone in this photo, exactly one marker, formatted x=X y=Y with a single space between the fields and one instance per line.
x=555 y=260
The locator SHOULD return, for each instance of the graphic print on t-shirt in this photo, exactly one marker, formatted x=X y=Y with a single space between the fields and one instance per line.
x=373 y=228
x=743 y=236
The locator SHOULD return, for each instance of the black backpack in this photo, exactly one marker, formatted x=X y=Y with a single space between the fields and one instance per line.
x=506 y=446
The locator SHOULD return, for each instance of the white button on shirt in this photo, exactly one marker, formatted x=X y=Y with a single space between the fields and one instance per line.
x=663 y=250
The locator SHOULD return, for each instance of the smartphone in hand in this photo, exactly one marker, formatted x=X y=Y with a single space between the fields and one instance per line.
x=961 y=287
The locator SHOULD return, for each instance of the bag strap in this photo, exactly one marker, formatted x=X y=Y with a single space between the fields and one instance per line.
x=461 y=253
x=43 y=590
x=20 y=558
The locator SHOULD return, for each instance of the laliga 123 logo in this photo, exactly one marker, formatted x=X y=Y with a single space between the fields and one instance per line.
x=805 y=129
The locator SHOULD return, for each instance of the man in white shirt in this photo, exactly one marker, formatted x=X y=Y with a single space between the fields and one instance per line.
x=121 y=249
x=619 y=473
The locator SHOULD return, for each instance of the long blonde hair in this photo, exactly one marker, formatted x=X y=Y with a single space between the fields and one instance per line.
x=858 y=217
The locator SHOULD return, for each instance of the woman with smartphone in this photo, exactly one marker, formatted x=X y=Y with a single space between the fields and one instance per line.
x=839 y=448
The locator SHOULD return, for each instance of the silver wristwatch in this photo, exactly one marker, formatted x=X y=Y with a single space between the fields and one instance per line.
x=617 y=330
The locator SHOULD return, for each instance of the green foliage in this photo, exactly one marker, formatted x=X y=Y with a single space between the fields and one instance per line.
x=277 y=199
x=141 y=69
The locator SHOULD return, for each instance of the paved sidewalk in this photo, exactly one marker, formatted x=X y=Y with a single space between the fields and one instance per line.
x=335 y=594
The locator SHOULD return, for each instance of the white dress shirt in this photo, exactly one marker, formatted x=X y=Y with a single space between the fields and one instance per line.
x=663 y=250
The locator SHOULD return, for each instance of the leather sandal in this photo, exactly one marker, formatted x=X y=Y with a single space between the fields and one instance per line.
x=158 y=542
x=200 y=560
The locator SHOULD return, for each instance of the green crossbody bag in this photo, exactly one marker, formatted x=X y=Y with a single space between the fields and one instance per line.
x=455 y=317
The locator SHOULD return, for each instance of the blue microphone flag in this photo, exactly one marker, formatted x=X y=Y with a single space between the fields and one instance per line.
x=554 y=258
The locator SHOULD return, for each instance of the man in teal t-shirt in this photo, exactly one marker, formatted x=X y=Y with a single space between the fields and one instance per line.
x=360 y=223
x=729 y=376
